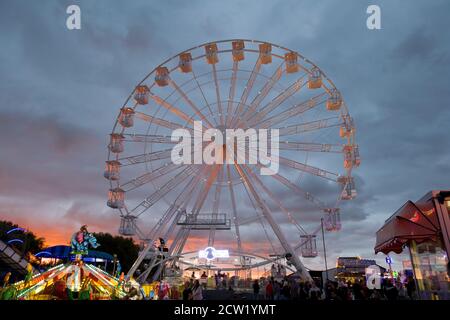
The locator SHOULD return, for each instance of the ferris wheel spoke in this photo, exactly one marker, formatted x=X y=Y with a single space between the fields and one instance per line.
x=189 y=102
x=176 y=111
x=295 y=164
x=219 y=102
x=297 y=190
x=148 y=138
x=232 y=92
x=159 y=121
x=166 y=188
x=148 y=177
x=248 y=220
x=208 y=184
x=310 y=126
x=274 y=199
x=146 y=157
x=291 y=112
x=233 y=207
x=179 y=203
x=246 y=92
x=310 y=147
x=307 y=195
x=203 y=96
x=272 y=196
x=278 y=100
x=308 y=169
x=270 y=83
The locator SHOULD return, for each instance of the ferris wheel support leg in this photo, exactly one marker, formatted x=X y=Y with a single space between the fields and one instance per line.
x=179 y=244
x=276 y=229
x=169 y=214
x=153 y=262
x=182 y=201
x=233 y=204
x=216 y=206
x=140 y=258
x=143 y=277
x=180 y=240
x=150 y=238
x=212 y=233
x=274 y=199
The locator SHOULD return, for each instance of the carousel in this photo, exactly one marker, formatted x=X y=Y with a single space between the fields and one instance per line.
x=75 y=280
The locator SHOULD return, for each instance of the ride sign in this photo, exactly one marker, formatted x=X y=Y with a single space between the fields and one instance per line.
x=211 y=253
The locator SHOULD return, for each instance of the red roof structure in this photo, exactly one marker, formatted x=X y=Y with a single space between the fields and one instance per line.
x=413 y=221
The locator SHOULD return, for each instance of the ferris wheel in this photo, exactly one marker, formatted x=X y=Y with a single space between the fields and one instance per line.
x=233 y=84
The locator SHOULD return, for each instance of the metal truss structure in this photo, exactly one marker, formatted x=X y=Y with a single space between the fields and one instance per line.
x=231 y=84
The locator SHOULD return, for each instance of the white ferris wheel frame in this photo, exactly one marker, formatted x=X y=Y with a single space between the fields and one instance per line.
x=232 y=117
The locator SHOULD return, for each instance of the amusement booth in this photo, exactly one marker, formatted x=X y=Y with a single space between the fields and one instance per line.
x=423 y=229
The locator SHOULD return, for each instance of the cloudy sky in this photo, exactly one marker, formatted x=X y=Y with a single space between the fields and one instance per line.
x=61 y=90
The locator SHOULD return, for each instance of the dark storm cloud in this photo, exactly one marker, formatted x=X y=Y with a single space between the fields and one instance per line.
x=61 y=90
x=45 y=157
x=417 y=45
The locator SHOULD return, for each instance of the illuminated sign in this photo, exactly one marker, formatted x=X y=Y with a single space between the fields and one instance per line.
x=211 y=253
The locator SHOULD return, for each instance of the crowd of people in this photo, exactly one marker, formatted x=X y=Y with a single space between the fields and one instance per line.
x=193 y=290
x=289 y=289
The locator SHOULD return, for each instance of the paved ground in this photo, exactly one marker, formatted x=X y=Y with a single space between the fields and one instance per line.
x=221 y=294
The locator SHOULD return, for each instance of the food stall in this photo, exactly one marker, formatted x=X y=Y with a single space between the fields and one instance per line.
x=422 y=228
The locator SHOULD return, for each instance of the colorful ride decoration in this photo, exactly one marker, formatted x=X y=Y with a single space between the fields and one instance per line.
x=75 y=280
x=81 y=240
x=163 y=290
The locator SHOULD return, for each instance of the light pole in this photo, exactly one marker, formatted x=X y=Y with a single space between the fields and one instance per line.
x=324 y=249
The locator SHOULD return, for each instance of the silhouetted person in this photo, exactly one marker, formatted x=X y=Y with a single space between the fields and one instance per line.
x=411 y=287
x=255 y=289
x=187 y=292
x=391 y=291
